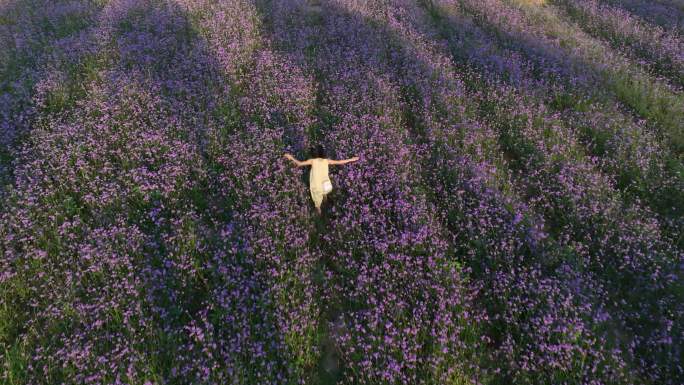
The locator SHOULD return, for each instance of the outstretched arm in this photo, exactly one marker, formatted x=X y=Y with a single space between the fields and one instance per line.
x=297 y=162
x=343 y=161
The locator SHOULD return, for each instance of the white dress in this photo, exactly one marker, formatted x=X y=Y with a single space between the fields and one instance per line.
x=319 y=180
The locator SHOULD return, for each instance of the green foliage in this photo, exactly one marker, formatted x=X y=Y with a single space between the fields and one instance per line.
x=13 y=363
x=652 y=102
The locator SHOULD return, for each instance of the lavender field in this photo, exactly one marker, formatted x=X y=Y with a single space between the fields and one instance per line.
x=516 y=215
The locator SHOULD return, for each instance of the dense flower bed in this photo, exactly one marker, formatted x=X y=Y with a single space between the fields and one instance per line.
x=515 y=215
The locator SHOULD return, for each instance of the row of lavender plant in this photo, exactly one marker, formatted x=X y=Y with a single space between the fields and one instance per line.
x=663 y=51
x=610 y=210
x=46 y=44
x=516 y=74
x=612 y=216
x=644 y=169
x=245 y=159
x=586 y=195
x=539 y=348
x=556 y=128
x=395 y=300
x=143 y=242
x=274 y=103
x=31 y=32
x=490 y=238
x=539 y=33
x=668 y=14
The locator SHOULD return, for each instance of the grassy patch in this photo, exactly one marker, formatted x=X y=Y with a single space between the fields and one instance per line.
x=14 y=364
x=65 y=26
x=73 y=86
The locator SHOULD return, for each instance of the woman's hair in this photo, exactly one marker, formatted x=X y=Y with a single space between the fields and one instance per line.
x=318 y=151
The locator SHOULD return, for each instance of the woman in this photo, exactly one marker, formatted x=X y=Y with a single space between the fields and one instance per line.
x=319 y=181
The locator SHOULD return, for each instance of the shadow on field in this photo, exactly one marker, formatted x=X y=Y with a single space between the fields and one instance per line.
x=30 y=31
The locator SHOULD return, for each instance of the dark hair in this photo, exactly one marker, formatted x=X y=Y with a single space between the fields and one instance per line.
x=318 y=151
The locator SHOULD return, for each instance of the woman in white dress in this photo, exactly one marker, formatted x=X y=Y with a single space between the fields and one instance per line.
x=319 y=180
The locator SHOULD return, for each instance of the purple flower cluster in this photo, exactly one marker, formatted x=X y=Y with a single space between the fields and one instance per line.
x=668 y=14
x=35 y=37
x=507 y=222
x=663 y=51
